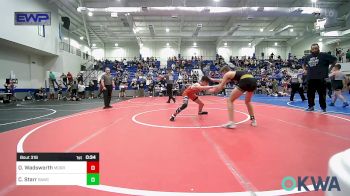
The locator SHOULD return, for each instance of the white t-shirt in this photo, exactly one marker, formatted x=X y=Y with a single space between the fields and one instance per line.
x=81 y=88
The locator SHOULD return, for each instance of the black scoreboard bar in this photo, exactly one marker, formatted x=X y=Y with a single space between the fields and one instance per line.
x=57 y=156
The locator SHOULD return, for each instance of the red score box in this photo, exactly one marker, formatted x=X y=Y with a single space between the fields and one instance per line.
x=93 y=167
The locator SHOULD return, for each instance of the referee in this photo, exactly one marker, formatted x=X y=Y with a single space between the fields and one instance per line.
x=317 y=65
x=107 y=84
x=169 y=86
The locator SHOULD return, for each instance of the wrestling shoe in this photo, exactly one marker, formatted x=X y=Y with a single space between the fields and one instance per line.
x=310 y=109
x=254 y=123
x=345 y=104
x=202 y=113
x=172 y=118
x=229 y=125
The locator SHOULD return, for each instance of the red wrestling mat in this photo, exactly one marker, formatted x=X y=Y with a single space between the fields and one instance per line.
x=143 y=153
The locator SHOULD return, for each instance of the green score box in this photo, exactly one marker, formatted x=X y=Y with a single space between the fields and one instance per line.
x=93 y=179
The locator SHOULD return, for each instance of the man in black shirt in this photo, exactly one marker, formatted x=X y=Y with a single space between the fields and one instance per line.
x=317 y=65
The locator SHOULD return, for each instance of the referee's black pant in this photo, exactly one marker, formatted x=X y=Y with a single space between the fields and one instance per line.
x=318 y=85
x=169 y=88
x=107 y=95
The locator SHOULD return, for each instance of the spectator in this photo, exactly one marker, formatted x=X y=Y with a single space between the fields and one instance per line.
x=52 y=90
x=134 y=87
x=64 y=79
x=141 y=84
x=123 y=86
x=151 y=88
x=70 y=78
x=81 y=90
x=91 y=89
x=80 y=77
x=52 y=79
x=59 y=94
x=348 y=56
x=74 y=89
x=40 y=94
x=297 y=85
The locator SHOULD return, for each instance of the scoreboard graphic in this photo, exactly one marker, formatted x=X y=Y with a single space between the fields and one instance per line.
x=57 y=169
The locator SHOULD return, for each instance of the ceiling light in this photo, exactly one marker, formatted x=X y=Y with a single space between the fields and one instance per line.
x=250 y=44
x=167 y=30
x=81 y=38
x=291 y=30
x=195 y=44
x=297 y=38
x=276 y=44
x=216 y=0
x=80 y=9
x=225 y=44
x=261 y=30
x=116 y=44
x=313 y=1
x=93 y=45
x=167 y=44
x=320 y=39
x=90 y=14
x=271 y=30
x=114 y=14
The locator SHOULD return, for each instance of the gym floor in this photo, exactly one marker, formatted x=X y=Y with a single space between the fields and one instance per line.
x=143 y=153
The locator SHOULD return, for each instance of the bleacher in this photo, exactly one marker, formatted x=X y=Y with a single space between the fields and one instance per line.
x=131 y=69
x=193 y=65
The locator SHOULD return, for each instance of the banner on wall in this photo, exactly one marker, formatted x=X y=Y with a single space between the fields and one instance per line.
x=33 y=18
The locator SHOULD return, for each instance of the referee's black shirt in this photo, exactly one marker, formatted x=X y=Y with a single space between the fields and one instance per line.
x=318 y=65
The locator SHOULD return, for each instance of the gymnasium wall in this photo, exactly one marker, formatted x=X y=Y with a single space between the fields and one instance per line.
x=28 y=35
x=29 y=55
x=159 y=50
x=305 y=44
x=64 y=63
x=98 y=53
x=27 y=67
x=235 y=49
x=30 y=68
x=269 y=47
x=205 y=49
x=127 y=50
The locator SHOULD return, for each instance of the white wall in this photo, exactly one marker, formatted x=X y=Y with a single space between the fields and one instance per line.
x=98 y=53
x=64 y=63
x=305 y=44
x=205 y=49
x=159 y=50
x=28 y=68
x=236 y=49
x=126 y=50
x=269 y=47
x=130 y=50
x=28 y=35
